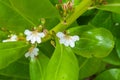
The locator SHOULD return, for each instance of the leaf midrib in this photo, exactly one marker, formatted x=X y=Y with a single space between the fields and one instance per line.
x=58 y=67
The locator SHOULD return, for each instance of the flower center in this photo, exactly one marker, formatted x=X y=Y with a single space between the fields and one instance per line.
x=35 y=33
x=67 y=37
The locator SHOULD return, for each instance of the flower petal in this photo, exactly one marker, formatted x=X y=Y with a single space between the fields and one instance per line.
x=72 y=44
x=75 y=38
x=27 y=32
x=14 y=38
x=60 y=35
x=38 y=39
x=41 y=35
x=27 y=54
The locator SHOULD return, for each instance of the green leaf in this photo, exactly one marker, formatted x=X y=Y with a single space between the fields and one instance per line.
x=2 y=35
x=102 y=19
x=10 y=52
x=63 y=65
x=112 y=58
x=110 y=21
x=112 y=74
x=16 y=70
x=12 y=20
x=51 y=22
x=78 y=30
x=112 y=5
x=38 y=67
x=118 y=47
x=34 y=10
x=10 y=78
x=89 y=66
x=97 y=42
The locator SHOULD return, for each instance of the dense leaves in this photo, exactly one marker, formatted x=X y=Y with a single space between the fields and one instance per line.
x=94 y=56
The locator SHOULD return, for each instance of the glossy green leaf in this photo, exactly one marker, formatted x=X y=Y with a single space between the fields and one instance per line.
x=102 y=19
x=97 y=42
x=118 y=47
x=11 y=19
x=111 y=5
x=89 y=66
x=16 y=70
x=35 y=9
x=51 y=22
x=112 y=58
x=79 y=30
x=63 y=65
x=110 y=21
x=112 y=74
x=10 y=52
x=38 y=67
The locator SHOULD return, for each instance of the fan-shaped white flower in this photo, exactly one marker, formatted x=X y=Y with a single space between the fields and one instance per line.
x=67 y=40
x=33 y=52
x=34 y=36
x=12 y=38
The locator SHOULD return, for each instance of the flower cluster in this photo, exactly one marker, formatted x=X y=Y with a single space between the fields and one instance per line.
x=35 y=37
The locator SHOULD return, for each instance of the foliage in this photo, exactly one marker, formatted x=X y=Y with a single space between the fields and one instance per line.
x=95 y=56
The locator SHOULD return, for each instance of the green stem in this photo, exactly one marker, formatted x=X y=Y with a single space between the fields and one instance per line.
x=79 y=10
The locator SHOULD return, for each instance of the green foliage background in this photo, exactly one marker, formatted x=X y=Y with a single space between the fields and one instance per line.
x=95 y=56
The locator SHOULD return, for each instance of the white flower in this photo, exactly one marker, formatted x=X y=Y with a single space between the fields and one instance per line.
x=67 y=40
x=12 y=38
x=33 y=52
x=34 y=36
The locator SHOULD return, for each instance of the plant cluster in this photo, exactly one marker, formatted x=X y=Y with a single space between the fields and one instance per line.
x=59 y=40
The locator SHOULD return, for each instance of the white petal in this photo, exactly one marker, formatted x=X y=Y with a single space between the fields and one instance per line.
x=41 y=35
x=36 y=49
x=33 y=40
x=38 y=39
x=75 y=38
x=72 y=44
x=14 y=38
x=60 y=35
x=28 y=38
x=27 y=54
x=27 y=32
x=62 y=41
x=5 y=40
x=32 y=55
x=66 y=43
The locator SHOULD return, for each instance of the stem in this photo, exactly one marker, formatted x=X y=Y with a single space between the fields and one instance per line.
x=79 y=10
